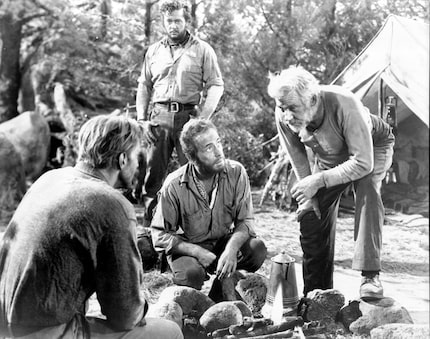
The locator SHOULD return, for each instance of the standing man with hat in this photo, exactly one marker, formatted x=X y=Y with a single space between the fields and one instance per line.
x=175 y=72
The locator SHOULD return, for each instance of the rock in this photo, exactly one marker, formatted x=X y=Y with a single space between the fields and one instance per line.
x=221 y=315
x=377 y=313
x=349 y=313
x=167 y=310
x=193 y=302
x=224 y=290
x=323 y=306
x=29 y=133
x=400 y=331
x=253 y=289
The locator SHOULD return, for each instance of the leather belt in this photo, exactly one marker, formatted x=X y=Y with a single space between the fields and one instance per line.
x=175 y=107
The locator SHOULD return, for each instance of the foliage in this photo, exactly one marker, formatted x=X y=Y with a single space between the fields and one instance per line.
x=240 y=144
x=100 y=64
x=100 y=53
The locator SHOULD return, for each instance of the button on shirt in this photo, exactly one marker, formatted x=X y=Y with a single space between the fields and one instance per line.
x=181 y=74
x=342 y=138
x=183 y=214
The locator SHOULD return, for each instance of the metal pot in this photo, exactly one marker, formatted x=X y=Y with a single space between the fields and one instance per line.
x=283 y=280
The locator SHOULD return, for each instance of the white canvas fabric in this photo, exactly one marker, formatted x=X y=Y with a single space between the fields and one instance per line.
x=395 y=61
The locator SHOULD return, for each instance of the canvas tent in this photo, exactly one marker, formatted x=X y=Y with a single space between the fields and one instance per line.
x=394 y=67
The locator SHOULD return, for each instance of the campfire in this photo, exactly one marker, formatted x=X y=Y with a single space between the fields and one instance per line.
x=271 y=308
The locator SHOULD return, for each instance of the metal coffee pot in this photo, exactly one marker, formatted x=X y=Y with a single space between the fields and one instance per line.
x=282 y=281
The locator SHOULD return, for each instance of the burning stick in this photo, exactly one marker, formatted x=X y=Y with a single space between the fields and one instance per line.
x=248 y=323
x=270 y=329
x=284 y=334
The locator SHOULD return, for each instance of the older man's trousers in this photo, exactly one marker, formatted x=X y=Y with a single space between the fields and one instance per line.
x=318 y=236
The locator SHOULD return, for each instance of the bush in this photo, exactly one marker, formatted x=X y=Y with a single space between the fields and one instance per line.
x=241 y=145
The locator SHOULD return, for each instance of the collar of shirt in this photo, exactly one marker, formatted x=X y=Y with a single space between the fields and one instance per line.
x=201 y=187
x=187 y=175
x=169 y=43
x=91 y=171
x=319 y=117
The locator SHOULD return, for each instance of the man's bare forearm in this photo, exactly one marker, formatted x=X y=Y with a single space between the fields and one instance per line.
x=213 y=96
x=238 y=238
x=189 y=249
x=204 y=256
x=143 y=96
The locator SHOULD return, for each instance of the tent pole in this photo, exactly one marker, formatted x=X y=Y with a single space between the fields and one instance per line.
x=381 y=99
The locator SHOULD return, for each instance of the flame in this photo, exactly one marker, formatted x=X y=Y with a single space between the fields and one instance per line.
x=278 y=307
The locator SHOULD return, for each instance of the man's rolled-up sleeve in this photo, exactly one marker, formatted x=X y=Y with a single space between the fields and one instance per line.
x=165 y=222
x=145 y=77
x=243 y=201
x=211 y=70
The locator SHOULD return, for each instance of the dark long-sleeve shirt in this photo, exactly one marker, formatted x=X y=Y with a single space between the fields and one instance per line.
x=72 y=235
x=182 y=214
x=342 y=137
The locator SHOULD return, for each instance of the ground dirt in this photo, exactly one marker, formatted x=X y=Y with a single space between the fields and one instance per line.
x=405 y=256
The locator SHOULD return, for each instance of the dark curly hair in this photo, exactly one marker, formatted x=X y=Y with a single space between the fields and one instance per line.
x=169 y=6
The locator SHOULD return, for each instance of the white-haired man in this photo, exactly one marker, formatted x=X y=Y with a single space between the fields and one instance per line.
x=350 y=146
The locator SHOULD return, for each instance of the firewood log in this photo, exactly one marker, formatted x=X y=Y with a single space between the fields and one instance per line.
x=283 y=334
x=248 y=323
x=270 y=329
x=220 y=332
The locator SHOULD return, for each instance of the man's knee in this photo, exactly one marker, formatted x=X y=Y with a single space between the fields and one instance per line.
x=253 y=255
x=259 y=250
x=187 y=271
x=312 y=227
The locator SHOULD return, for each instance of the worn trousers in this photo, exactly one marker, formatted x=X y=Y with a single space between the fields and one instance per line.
x=158 y=155
x=187 y=271
x=317 y=236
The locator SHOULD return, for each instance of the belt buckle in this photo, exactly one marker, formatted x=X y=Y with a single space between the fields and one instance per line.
x=174 y=107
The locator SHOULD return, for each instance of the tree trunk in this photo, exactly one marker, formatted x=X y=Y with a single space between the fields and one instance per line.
x=148 y=19
x=289 y=8
x=193 y=11
x=10 y=42
x=105 y=11
x=63 y=108
x=328 y=13
x=70 y=123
